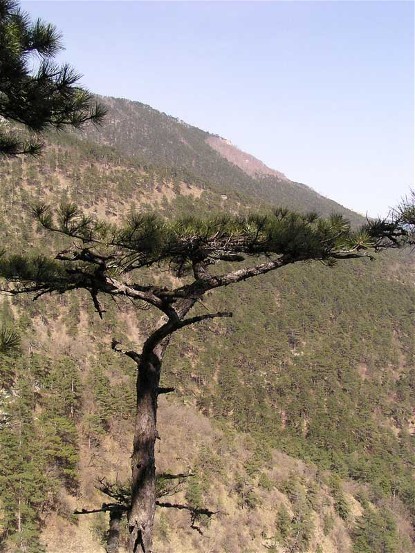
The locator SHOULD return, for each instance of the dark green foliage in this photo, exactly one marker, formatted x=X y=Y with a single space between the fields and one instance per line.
x=38 y=268
x=37 y=99
x=194 y=492
x=295 y=532
x=9 y=346
x=283 y=522
x=341 y=506
x=61 y=387
x=24 y=485
x=405 y=212
x=247 y=497
x=375 y=531
x=110 y=400
x=265 y=482
x=9 y=341
x=60 y=442
x=103 y=398
x=260 y=458
x=148 y=239
x=38 y=444
x=310 y=397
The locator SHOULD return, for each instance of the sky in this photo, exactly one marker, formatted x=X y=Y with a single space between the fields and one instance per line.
x=320 y=90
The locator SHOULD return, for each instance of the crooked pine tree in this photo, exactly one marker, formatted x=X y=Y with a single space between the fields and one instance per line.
x=112 y=262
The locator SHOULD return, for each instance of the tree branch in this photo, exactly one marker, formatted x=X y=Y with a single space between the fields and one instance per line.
x=200 y=318
x=194 y=510
x=161 y=391
x=169 y=476
x=137 y=292
x=97 y=305
x=129 y=353
x=351 y=255
x=173 y=325
x=206 y=281
x=104 y=508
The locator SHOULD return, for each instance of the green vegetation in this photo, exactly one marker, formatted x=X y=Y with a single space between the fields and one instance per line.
x=375 y=531
x=38 y=444
x=48 y=97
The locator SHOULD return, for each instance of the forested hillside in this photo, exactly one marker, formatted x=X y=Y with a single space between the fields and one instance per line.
x=293 y=421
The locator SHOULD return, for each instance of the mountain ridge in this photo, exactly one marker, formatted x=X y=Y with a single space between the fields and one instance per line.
x=152 y=136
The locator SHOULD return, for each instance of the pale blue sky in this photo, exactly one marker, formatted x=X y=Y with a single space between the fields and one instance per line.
x=320 y=90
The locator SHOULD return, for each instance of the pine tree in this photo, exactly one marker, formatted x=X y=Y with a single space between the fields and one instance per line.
x=109 y=261
x=40 y=99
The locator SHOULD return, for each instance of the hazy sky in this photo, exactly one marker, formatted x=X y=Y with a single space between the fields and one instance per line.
x=320 y=90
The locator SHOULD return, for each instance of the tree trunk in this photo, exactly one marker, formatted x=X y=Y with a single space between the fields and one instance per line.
x=143 y=492
x=113 y=541
x=143 y=495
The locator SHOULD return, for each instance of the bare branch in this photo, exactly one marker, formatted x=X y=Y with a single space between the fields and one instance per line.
x=173 y=325
x=129 y=353
x=195 y=512
x=169 y=476
x=117 y=492
x=352 y=255
x=135 y=291
x=200 y=318
x=206 y=281
x=209 y=282
x=190 y=508
x=161 y=391
x=40 y=294
x=104 y=508
x=97 y=305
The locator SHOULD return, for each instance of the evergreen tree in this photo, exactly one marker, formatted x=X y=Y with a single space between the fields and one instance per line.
x=9 y=344
x=406 y=212
x=109 y=261
x=375 y=531
x=47 y=97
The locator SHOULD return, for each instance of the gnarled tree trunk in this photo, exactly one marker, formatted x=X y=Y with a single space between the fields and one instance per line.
x=143 y=492
x=143 y=496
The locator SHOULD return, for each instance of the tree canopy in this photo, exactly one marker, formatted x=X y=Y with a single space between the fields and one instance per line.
x=105 y=253
x=47 y=96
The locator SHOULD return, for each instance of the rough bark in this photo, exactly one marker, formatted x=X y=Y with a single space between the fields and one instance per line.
x=143 y=492
x=143 y=496
x=113 y=541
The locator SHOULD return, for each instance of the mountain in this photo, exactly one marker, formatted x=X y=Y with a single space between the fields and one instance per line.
x=294 y=419
x=146 y=134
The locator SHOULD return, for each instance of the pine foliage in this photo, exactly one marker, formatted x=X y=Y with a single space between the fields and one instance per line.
x=104 y=250
x=48 y=96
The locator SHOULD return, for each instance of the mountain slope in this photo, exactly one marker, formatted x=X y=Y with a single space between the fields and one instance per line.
x=153 y=137
x=249 y=164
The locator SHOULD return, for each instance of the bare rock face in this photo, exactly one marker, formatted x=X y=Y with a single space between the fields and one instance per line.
x=248 y=163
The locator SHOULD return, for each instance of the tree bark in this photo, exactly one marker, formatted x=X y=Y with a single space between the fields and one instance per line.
x=143 y=492
x=143 y=496
x=113 y=541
